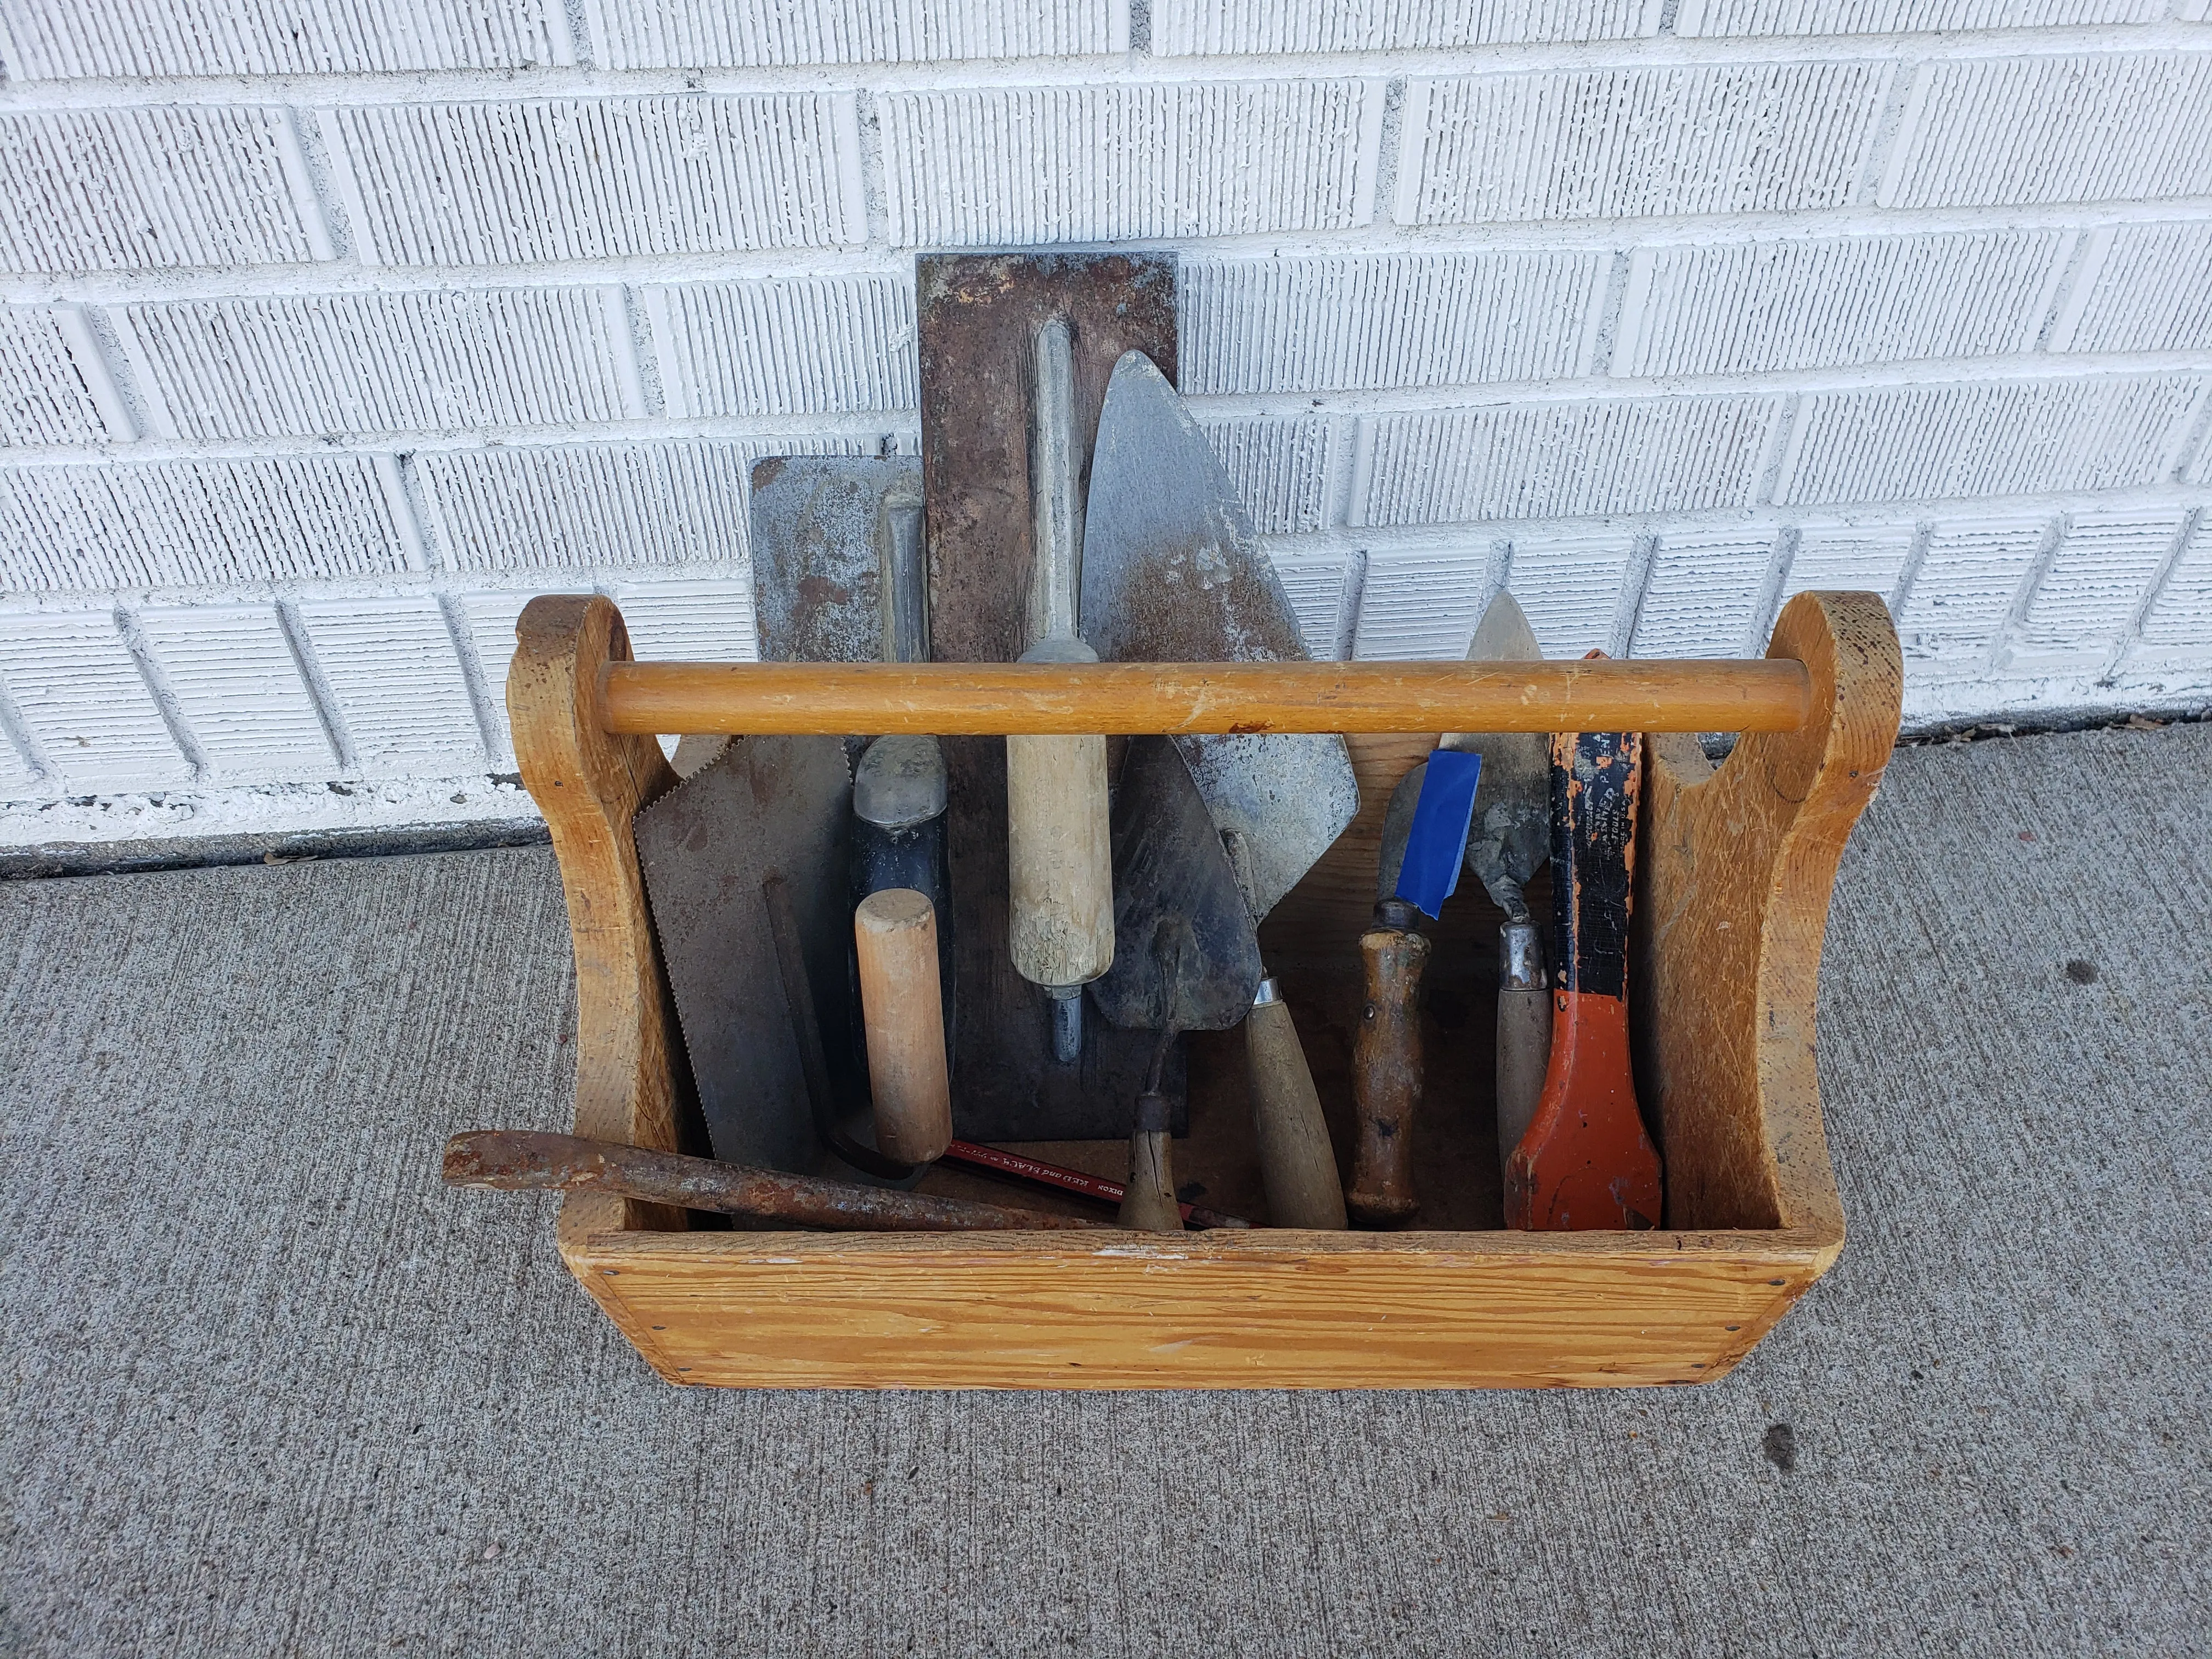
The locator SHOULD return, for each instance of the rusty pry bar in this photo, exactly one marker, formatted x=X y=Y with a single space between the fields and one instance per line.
x=516 y=1160
x=1585 y=1161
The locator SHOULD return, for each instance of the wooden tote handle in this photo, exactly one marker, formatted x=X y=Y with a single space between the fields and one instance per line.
x=895 y=935
x=1774 y=694
x=1386 y=1076
x=1297 y=1165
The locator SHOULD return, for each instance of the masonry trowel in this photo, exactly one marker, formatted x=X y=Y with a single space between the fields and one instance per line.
x=1173 y=571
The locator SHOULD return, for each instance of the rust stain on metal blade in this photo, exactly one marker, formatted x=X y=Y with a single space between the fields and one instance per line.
x=820 y=528
x=1510 y=837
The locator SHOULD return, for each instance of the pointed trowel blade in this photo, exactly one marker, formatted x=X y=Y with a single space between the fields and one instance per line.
x=1510 y=837
x=1173 y=571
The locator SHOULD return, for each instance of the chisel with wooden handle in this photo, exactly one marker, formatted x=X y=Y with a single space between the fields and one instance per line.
x=1386 y=1077
x=1585 y=1161
x=1297 y=1163
x=516 y=1160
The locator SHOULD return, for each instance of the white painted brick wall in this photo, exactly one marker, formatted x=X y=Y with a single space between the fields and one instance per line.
x=1207 y=26
x=1542 y=460
x=84 y=705
x=1112 y=163
x=89 y=39
x=152 y=189
x=2001 y=438
x=1722 y=17
x=331 y=330
x=2178 y=619
x=361 y=647
x=2150 y=290
x=1702 y=596
x=1338 y=324
x=236 y=682
x=2121 y=127
x=198 y=522
x=304 y=365
x=1637 y=142
x=44 y=397
x=812 y=345
x=1744 y=308
x=635 y=34
x=1969 y=576
x=517 y=182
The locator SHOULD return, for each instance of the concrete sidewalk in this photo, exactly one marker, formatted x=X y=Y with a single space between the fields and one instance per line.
x=269 y=1389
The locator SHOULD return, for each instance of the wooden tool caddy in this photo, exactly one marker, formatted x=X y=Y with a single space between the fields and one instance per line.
x=1734 y=869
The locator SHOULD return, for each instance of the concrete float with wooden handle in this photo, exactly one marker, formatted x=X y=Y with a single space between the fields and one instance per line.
x=1734 y=875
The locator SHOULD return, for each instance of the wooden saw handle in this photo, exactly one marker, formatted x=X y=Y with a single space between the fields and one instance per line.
x=903 y=1007
x=1297 y=1164
x=1386 y=1077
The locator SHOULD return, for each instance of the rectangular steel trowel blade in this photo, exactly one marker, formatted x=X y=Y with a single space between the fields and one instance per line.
x=1173 y=571
x=768 y=806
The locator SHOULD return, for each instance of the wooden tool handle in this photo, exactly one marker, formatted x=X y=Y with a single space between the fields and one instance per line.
x=1148 y=1202
x=895 y=936
x=1524 y=1032
x=1774 y=694
x=515 y=1160
x=1297 y=1164
x=1586 y=1161
x=1386 y=1078
x=1524 y=1056
x=1059 y=860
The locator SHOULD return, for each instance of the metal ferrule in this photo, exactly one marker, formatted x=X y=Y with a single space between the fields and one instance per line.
x=1267 y=993
x=1066 y=1023
x=1520 y=956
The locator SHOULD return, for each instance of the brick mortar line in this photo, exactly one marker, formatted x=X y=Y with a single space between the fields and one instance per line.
x=1286 y=405
x=1338 y=544
x=373 y=86
x=1379 y=239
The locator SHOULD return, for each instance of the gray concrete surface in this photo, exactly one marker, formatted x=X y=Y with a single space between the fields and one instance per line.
x=269 y=1390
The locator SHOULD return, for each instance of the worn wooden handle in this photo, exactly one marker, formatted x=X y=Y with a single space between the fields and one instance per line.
x=1773 y=695
x=1524 y=1053
x=903 y=1007
x=1297 y=1164
x=1148 y=1202
x=1059 y=860
x=514 y=1160
x=1386 y=1078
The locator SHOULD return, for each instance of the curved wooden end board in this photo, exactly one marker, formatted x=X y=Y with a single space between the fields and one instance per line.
x=1733 y=905
x=590 y=785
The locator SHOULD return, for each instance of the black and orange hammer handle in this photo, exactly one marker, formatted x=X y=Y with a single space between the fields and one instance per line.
x=1586 y=1161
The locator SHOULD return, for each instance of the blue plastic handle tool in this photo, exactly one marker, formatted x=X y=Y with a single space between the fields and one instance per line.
x=1438 y=841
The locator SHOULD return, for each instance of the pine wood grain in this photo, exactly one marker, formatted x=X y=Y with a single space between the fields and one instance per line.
x=1724 y=966
x=946 y=698
x=1730 y=912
